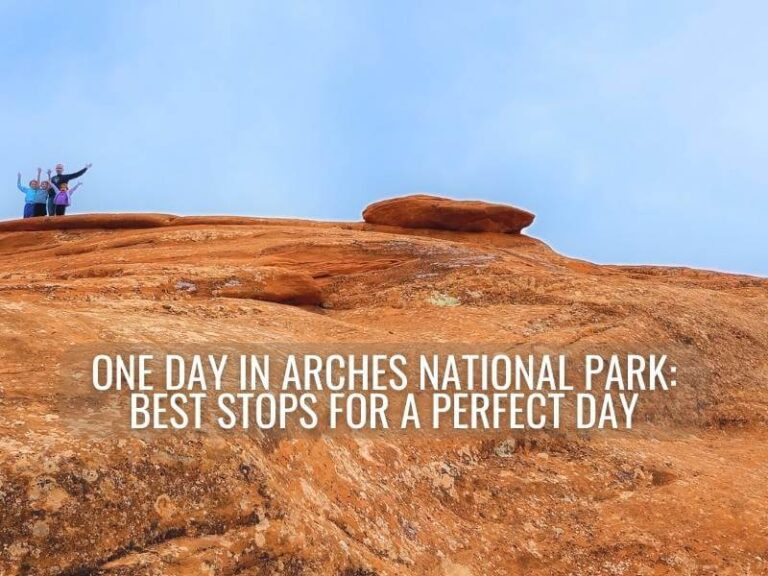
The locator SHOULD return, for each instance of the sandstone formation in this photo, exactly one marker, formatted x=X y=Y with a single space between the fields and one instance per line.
x=424 y=211
x=680 y=494
x=267 y=283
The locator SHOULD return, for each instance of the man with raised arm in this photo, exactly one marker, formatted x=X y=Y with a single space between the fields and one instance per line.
x=59 y=179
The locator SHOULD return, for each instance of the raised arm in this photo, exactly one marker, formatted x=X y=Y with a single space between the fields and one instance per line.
x=18 y=182
x=75 y=187
x=77 y=174
x=39 y=172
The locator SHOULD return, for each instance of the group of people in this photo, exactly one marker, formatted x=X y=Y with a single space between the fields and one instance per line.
x=49 y=197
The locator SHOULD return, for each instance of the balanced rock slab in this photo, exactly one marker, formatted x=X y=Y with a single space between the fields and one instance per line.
x=425 y=211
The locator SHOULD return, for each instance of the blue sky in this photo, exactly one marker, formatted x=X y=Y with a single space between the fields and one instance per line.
x=636 y=131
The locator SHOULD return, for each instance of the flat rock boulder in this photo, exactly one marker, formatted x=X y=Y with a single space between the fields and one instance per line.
x=425 y=211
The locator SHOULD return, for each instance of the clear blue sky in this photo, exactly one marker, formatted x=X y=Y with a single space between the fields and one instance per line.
x=636 y=131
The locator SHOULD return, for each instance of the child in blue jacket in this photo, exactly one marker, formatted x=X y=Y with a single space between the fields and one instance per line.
x=41 y=208
x=35 y=197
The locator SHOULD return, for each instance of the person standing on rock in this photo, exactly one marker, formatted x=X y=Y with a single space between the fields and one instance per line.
x=59 y=179
x=62 y=197
x=33 y=195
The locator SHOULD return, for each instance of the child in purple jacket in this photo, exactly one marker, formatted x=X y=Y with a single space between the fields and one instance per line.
x=63 y=197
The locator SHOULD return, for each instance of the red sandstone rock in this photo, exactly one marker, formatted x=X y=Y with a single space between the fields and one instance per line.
x=424 y=211
x=80 y=494
x=274 y=285
x=89 y=221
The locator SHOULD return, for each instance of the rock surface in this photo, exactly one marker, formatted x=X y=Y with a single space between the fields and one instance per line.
x=267 y=283
x=680 y=494
x=424 y=211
